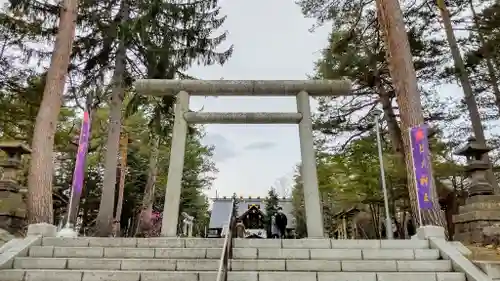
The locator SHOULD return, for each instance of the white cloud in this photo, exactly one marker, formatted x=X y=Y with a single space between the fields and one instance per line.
x=224 y=149
x=260 y=145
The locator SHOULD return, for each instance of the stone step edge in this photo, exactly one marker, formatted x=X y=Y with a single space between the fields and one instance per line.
x=239 y=253
x=239 y=265
x=246 y=243
x=237 y=259
x=76 y=275
x=216 y=259
x=3 y=271
x=234 y=248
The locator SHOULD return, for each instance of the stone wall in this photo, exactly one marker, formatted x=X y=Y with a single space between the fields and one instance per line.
x=5 y=236
x=12 y=208
x=480 y=213
x=491 y=268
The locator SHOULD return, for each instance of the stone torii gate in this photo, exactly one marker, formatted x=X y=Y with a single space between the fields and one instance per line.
x=182 y=89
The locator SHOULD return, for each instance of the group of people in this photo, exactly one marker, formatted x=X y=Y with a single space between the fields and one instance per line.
x=278 y=225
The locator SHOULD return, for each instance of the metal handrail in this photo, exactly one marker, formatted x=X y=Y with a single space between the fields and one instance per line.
x=226 y=250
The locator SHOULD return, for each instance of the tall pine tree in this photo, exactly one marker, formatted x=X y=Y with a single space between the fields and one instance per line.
x=158 y=39
x=272 y=202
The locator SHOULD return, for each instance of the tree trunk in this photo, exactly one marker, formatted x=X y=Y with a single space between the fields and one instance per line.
x=392 y=123
x=450 y=211
x=395 y=133
x=149 y=192
x=393 y=127
x=40 y=175
x=106 y=206
x=405 y=82
x=487 y=56
x=85 y=211
x=474 y=116
x=121 y=185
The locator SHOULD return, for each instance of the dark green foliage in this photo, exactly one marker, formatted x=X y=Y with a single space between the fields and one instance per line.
x=162 y=38
x=299 y=211
x=272 y=202
x=356 y=51
x=236 y=201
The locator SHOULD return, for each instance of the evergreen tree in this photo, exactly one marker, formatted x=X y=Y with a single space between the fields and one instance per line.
x=40 y=205
x=236 y=201
x=271 y=201
x=147 y=39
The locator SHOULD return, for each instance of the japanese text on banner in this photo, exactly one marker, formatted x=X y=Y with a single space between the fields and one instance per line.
x=421 y=165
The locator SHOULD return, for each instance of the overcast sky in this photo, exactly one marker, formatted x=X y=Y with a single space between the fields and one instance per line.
x=271 y=41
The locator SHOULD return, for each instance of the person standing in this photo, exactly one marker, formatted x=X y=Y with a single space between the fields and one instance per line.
x=281 y=222
x=275 y=233
x=240 y=229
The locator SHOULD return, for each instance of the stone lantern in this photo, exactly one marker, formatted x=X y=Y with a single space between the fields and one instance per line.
x=476 y=168
x=12 y=205
x=482 y=208
x=12 y=163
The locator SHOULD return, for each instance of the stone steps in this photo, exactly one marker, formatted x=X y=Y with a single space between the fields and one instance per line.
x=197 y=259
x=238 y=243
x=334 y=266
x=109 y=275
x=336 y=254
x=117 y=264
x=133 y=242
x=236 y=265
x=238 y=253
x=115 y=252
x=330 y=244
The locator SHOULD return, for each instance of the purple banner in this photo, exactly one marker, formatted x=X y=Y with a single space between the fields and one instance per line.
x=421 y=165
x=83 y=143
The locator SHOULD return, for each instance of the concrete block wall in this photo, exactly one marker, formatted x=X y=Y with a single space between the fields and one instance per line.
x=491 y=268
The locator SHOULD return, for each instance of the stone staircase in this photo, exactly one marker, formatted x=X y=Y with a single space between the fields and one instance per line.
x=120 y=259
x=339 y=260
x=197 y=259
